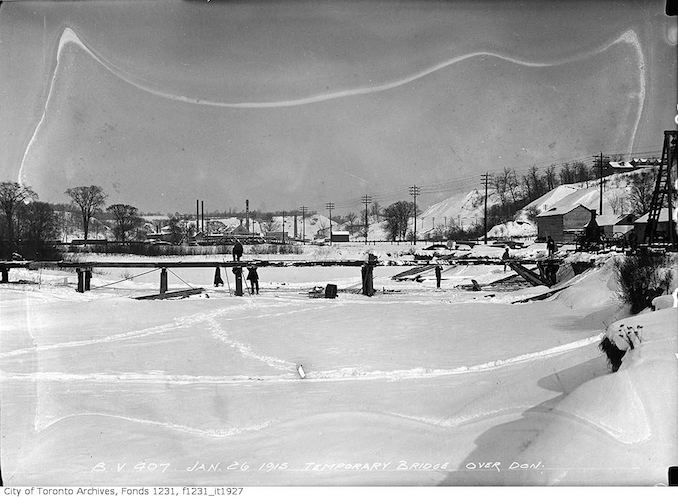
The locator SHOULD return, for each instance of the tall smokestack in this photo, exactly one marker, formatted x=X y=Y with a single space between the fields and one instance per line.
x=247 y=215
x=202 y=206
x=197 y=216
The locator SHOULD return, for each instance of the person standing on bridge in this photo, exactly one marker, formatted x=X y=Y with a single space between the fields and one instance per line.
x=439 y=273
x=253 y=276
x=237 y=250
x=505 y=257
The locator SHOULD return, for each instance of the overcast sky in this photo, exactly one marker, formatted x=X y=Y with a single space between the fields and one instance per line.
x=301 y=103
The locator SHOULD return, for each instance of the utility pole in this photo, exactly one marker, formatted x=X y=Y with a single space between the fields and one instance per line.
x=486 y=179
x=303 y=210
x=197 y=216
x=415 y=191
x=599 y=159
x=329 y=206
x=283 y=228
x=366 y=200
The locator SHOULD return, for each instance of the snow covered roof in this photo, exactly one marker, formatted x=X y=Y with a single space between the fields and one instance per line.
x=663 y=216
x=634 y=163
x=621 y=165
x=560 y=210
x=610 y=219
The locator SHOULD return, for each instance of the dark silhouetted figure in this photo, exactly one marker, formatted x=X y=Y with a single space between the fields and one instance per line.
x=253 y=276
x=439 y=276
x=237 y=250
x=217 y=277
x=237 y=271
x=592 y=232
x=367 y=278
x=505 y=257
x=550 y=246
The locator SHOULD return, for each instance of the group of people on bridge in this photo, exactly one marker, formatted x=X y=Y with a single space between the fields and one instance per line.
x=252 y=274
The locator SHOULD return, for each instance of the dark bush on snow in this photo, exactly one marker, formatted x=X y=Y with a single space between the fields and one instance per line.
x=613 y=353
x=641 y=278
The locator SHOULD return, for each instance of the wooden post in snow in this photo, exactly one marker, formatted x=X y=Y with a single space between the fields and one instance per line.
x=163 y=280
x=237 y=271
x=81 y=280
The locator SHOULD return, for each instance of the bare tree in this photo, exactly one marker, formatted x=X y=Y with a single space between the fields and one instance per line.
x=618 y=203
x=88 y=199
x=537 y=182
x=500 y=185
x=581 y=172
x=512 y=184
x=375 y=210
x=126 y=219
x=550 y=177
x=397 y=216
x=38 y=221
x=12 y=195
x=566 y=174
x=176 y=231
x=641 y=192
x=528 y=187
x=351 y=218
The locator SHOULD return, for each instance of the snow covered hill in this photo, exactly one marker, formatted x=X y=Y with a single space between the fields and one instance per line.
x=462 y=209
x=465 y=210
x=615 y=191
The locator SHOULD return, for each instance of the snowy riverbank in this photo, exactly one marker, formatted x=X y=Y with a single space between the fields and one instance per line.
x=412 y=386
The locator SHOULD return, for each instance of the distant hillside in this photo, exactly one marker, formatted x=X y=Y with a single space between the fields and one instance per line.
x=615 y=195
x=462 y=209
x=467 y=209
x=310 y=227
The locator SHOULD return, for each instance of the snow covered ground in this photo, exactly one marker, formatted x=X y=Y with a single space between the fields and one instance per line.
x=412 y=386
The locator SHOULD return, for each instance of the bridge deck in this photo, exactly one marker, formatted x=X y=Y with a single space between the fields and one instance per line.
x=14 y=264
x=248 y=262
x=210 y=263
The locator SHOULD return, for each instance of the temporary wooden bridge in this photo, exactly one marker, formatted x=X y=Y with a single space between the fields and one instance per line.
x=84 y=269
x=546 y=276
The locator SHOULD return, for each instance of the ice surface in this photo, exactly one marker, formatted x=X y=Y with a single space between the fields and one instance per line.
x=414 y=386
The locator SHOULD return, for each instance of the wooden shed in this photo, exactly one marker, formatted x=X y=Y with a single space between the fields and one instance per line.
x=563 y=224
x=612 y=224
x=662 y=225
x=340 y=236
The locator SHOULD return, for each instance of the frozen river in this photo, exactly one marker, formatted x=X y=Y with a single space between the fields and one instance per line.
x=409 y=386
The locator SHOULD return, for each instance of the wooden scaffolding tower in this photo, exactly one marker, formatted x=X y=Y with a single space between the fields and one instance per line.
x=664 y=194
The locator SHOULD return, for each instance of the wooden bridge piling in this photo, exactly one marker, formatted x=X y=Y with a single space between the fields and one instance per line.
x=163 y=280
x=237 y=271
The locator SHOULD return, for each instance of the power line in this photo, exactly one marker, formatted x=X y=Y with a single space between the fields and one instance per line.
x=460 y=183
x=414 y=192
x=599 y=159
x=303 y=210
x=366 y=199
x=329 y=206
x=486 y=178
